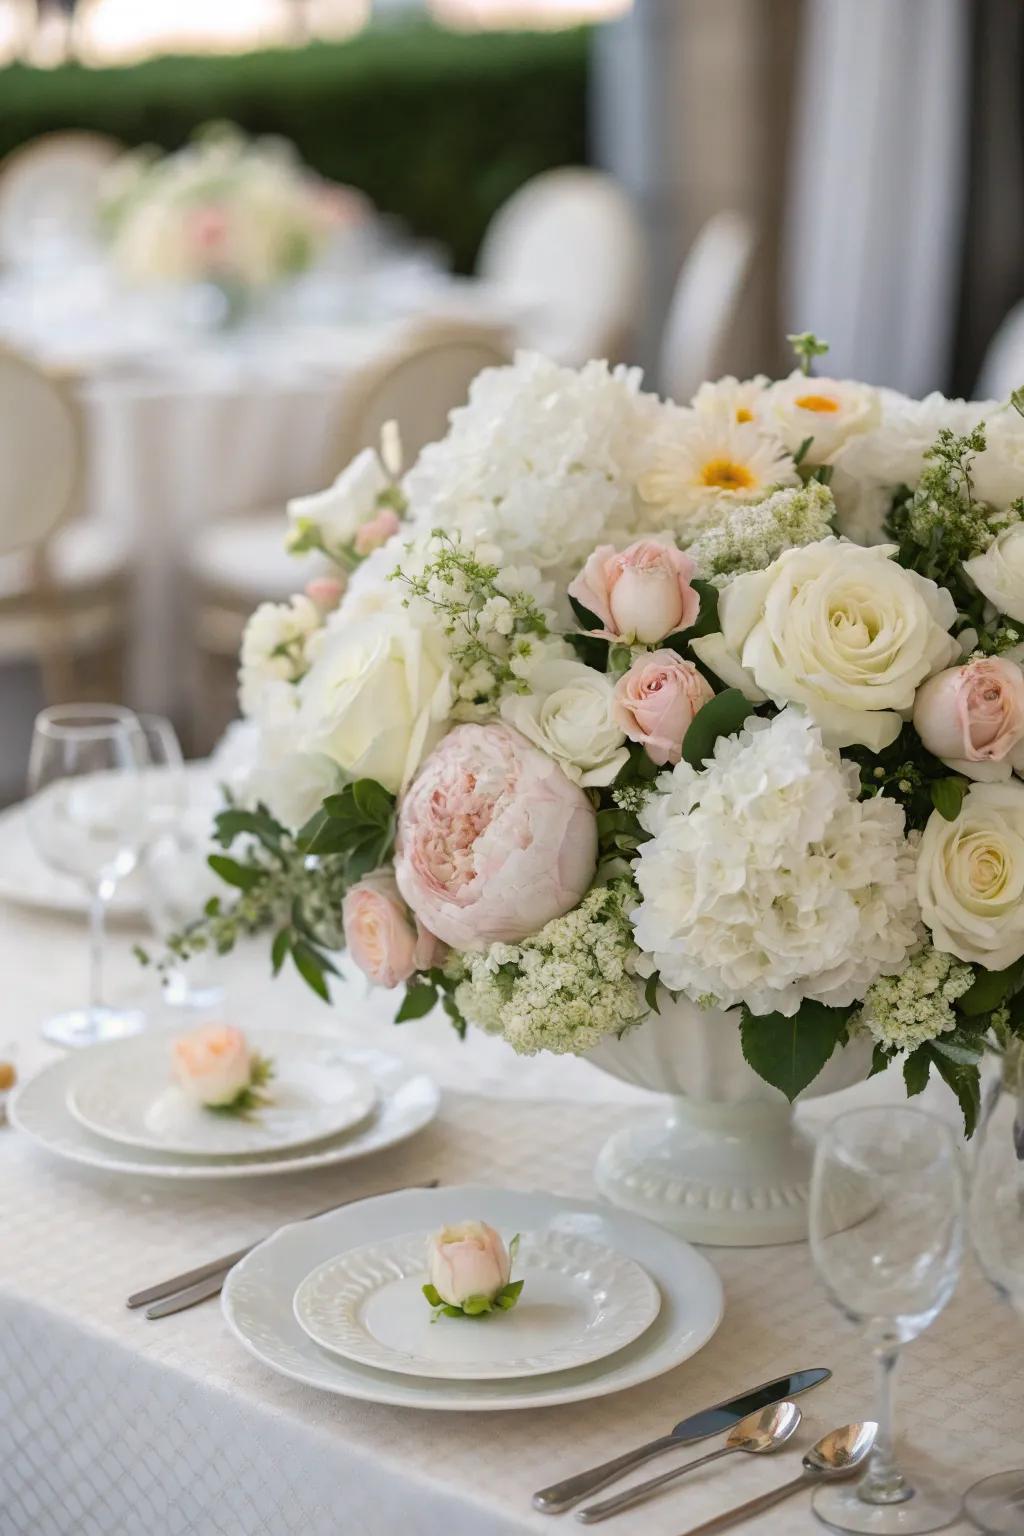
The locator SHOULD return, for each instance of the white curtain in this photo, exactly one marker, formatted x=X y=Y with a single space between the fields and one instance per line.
x=878 y=186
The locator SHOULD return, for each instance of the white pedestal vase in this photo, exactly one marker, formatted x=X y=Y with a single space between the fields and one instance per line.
x=723 y=1161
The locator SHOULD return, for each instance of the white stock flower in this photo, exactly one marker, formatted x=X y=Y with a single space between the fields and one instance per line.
x=338 y=513
x=700 y=462
x=971 y=877
x=568 y=714
x=767 y=881
x=275 y=649
x=999 y=572
x=844 y=631
x=828 y=411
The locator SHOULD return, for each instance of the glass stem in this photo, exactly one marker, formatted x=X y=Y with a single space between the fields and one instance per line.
x=97 y=926
x=883 y=1482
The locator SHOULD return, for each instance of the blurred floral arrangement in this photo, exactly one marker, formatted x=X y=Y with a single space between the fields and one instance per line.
x=226 y=209
x=610 y=699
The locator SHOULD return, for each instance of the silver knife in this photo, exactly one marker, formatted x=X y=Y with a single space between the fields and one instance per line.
x=699 y=1426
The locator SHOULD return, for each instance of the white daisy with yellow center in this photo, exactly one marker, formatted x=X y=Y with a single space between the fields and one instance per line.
x=735 y=400
x=827 y=411
x=703 y=460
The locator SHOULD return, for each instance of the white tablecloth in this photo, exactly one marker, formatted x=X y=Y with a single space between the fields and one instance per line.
x=114 y=1426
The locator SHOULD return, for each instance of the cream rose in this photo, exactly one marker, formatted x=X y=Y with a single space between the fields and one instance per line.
x=569 y=714
x=972 y=717
x=970 y=877
x=376 y=698
x=844 y=631
x=999 y=572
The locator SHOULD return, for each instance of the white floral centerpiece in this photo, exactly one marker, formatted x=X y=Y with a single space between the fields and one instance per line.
x=703 y=720
x=227 y=210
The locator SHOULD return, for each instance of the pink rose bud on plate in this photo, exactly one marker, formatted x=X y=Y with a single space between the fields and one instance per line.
x=326 y=592
x=377 y=531
x=384 y=940
x=972 y=717
x=656 y=700
x=213 y=1064
x=470 y=1270
x=642 y=594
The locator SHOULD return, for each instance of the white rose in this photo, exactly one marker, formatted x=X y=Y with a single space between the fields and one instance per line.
x=568 y=713
x=844 y=631
x=970 y=877
x=828 y=411
x=377 y=695
x=999 y=572
x=339 y=512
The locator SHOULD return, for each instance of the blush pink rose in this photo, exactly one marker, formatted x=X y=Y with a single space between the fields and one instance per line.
x=385 y=944
x=641 y=594
x=212 y=1064
x=468 y=1259
x=377 y=531
x=972 y=717
x=656 y=700
x=493 y=839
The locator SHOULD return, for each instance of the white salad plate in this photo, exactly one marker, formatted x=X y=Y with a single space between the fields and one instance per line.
x=132 y=1098
x=407 y=1100
x=580 y=1301
x=257 y=1298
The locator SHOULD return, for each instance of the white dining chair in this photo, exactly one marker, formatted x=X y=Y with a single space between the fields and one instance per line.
x=239 y=561
x=567 y=248
x=704 y=304
x=62 y=575
x=51 y=186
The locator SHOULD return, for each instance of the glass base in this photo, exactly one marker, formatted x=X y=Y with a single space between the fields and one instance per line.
x=91 y=1026
x=927 y=1509
x=996 y=1504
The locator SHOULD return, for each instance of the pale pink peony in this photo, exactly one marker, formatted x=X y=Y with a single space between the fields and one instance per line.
x=641 y=594
x=386 y=944
x=493 y=839
x=377 y=531
x=326 y=591
x=469 y=1259
x=656 y=700
x=212 y=1064
x=972 y=717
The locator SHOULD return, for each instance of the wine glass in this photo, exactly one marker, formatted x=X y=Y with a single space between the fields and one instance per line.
x=887 y=1231
x=86 y=818
x=996 y=1215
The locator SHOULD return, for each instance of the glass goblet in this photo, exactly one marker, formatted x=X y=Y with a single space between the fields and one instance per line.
x=891 y=1272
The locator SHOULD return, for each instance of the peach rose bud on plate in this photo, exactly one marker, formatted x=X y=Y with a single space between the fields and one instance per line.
x=972 y=717
x=640 y=595
x=656 y=700
x=381 y=935
x=215 y=1069
x=470 y=1270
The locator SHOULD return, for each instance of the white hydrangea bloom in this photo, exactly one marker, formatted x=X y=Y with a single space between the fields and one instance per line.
x=543 y=460
x=275 y=649
x=904 y=1011
x=750 y=536
x=767 y=881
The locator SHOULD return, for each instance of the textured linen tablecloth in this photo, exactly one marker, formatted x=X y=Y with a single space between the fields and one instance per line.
x=114 y=1426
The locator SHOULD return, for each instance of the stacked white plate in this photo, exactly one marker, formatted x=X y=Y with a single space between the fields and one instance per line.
x=116 y=1107
x=608 y=1301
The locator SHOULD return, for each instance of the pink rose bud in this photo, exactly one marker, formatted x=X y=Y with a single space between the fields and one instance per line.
x=208 y=229
x=385 y=943
x=377 y=531
x=212 y=1064
x=656 y=700
x=466 y=1260
x=972 y=717
x=326 y=591
x=642 y=594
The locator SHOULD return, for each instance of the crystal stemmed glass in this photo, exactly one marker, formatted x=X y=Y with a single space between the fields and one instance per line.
x=86 y=818
x=996 y=1216
x=897 y=1173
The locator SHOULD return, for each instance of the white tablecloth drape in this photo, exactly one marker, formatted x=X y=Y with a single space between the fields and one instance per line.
x=113 y=1426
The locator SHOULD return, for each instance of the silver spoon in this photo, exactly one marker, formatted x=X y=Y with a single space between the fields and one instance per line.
x=836 y=1455
x=758 y=1433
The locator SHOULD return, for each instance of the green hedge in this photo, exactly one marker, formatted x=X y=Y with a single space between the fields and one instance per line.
x=437 y=127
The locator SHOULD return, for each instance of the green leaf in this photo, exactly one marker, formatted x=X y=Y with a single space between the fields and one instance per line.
x=706 y=622
x=989 y=989
x=591 y=650
x=476 y=1306
x=244 y=876
x=915 y=1071
x=965 y=1082
x=880 y=1059
x=948 y=796
x=789 y=1053
x=311 y=830
x=433 y=1295
x=280 y=949
x=372 y=801
x=651 y=992
x=260 y=824
x=584 y=618
x=720 y=716
x=420 y=998
x=310 y=966
x=513 y=1289
x=960 y=1045
x=801 y=452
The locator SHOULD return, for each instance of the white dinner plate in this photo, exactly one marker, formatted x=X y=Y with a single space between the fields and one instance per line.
x=407 y=1100
x=258 y=1293
x=132 y=1098
x=580 y=1301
